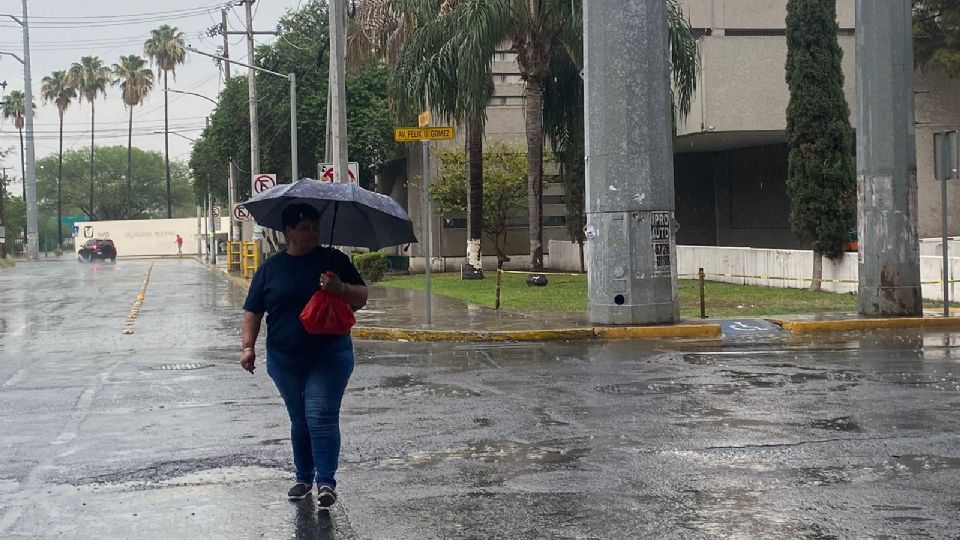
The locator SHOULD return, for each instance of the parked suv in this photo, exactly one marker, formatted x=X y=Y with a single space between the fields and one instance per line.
x=98 y=248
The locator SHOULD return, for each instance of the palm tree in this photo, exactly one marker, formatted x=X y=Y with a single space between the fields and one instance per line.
x=13 y=108
x=90 y=77
x=56 y=88
x=135 y=82
x=539 y=30
x=166 y=48
x=411 y=37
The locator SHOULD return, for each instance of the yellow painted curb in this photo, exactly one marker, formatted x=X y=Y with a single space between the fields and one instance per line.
x=659 y=332
x=397 y=334
x=807 y=327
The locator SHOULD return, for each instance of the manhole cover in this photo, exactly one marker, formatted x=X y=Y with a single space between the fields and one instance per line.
x=182 y=367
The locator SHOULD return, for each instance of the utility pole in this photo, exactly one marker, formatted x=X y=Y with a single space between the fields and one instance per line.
x=337 y=106
x=889 y=266
x=29 y=169
x=226 y=45
x=252 y=85
x=3 y=215
x=235 y=231
x=629 y=152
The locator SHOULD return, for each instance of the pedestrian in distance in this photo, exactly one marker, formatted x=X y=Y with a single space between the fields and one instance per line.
x=310 y=371
x=179 y=242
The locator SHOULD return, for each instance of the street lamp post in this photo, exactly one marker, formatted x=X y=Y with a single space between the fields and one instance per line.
x=293 y=104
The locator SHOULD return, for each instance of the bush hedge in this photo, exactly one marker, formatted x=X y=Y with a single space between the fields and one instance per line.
x=371 y=265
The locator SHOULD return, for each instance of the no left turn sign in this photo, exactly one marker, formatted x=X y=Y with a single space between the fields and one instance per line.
x=240 y=213
x=262 y=182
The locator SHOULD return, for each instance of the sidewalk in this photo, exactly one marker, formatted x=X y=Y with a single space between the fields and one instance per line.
x=397 y=314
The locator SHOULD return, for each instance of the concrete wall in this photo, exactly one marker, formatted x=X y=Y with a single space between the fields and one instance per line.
x=751 y=14
x=776 y=267
x=743 y=85
x=145 y=237
x=938 y=109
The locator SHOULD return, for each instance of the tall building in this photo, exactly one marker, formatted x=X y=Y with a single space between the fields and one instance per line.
x=731 y=161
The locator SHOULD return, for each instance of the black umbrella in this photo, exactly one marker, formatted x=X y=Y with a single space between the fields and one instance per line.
x=354 y=216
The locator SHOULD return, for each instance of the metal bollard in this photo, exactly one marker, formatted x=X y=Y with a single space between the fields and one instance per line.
x=703 y=307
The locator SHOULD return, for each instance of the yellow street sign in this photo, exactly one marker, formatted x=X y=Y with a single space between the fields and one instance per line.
x=424 y=119
x=421 y=134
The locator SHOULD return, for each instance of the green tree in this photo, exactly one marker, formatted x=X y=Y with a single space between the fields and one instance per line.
x=821 y=179
x=504 y=178
x=148 y=170
x=56 y=88
x=90 y=77
x=16 y=222
x=167 y=49
x=135 y=82
x=936 y=34
x=450 y=76
x=13 y=107
x=302 y=50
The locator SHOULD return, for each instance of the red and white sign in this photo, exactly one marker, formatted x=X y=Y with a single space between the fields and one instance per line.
x=325 y=173
x=240 y=213
x=262 y=182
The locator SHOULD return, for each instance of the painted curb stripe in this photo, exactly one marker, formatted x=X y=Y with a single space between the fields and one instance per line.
x=805 y=327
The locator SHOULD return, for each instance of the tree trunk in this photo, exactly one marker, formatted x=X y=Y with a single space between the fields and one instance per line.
x=583 y=267
x=60 y=190
x=166 y=140
x=129 y=206
x=815 y=284
x=534 y=128
x=92 y=107
x=474 y=147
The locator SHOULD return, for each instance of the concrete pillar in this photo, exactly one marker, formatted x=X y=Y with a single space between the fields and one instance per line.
x=629 y=152
x=887 y=161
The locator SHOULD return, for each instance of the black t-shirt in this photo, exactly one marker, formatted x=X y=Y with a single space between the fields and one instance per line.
x=282 y=287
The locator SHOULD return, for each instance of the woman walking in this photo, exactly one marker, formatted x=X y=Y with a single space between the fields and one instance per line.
x=310 y=371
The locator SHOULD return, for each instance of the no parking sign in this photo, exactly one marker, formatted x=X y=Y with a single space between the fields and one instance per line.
x=240 y=213
x=262 y=182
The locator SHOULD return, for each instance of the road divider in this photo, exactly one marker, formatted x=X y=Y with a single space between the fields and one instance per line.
x=135 y=308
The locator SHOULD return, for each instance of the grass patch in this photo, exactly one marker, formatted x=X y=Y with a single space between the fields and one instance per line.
x=569 y=294
x=7 y=263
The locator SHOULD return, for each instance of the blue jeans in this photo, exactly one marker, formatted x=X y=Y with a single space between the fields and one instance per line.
x=312 y=389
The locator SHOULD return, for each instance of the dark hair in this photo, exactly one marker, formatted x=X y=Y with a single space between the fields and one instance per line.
x=293 y=214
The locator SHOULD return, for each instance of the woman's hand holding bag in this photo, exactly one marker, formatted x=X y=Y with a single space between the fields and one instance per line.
x=327 y=314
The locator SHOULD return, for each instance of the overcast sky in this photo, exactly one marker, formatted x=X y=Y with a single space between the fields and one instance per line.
x=61 y=31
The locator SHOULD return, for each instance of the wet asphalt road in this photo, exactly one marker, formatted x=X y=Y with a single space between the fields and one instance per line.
x=158 y=434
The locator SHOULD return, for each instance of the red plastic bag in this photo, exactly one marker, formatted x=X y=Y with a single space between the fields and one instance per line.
x=327 y=314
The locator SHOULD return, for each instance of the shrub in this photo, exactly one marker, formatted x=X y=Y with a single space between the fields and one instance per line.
x=371 y=265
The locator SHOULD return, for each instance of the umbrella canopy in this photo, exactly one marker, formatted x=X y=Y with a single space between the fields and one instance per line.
x=349 y=214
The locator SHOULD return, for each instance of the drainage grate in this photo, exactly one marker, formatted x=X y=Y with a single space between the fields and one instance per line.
x=182 y=367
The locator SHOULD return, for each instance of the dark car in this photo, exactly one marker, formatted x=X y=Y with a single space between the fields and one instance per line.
x=98 y=248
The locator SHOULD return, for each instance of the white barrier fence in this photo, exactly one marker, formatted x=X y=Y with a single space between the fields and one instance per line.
x=780 y=267
x=145 y=237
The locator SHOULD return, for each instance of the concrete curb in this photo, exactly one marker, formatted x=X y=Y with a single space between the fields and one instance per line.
x=846 y=325
x=680 y=331
x=558 y=334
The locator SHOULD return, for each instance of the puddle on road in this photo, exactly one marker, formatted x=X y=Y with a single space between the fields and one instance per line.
x=549 y=452
x=664 y=386
x=406 y=385
x=845 y=424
